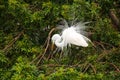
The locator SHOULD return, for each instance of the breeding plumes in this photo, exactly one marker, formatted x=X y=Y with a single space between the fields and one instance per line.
x=71 y=35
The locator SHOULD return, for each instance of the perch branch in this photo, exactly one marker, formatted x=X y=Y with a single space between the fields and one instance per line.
x=12 y=42
x=48 y=42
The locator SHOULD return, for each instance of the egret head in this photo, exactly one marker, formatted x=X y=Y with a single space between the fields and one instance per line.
x=55 y=37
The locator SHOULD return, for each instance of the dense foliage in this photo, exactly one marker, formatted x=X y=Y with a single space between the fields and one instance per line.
x=26 y=27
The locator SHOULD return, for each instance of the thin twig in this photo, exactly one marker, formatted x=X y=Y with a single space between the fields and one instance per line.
x=48 y=42
x=93 y=68
x=114 y=18
x=52 y=53
x=12 y=42
x=90 y=65
x=112 y=65
x=86 y=68
x=99 y=43
x=107 y=44
x=115 y=67
x=105 y=53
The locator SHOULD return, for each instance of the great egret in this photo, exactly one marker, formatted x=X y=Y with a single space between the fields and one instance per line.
x=71 y=35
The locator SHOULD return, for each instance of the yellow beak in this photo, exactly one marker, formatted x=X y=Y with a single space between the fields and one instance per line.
x=52 y=46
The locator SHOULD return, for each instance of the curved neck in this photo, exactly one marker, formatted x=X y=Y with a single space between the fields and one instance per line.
x=59 y=43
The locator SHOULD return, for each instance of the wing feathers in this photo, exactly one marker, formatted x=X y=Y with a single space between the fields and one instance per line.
x=78 y=40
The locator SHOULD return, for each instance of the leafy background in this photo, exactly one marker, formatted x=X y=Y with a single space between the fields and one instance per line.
x=26 y=27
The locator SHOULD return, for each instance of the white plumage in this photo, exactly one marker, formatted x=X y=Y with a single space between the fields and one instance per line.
x=71 y=35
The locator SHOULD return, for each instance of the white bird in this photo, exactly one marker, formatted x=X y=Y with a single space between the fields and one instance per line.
x=71 y=35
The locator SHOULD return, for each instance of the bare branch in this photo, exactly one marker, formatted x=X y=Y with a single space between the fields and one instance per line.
x=115 y=67
x=93 y=68
x=48 y=42
x=12 y=42
x=114 y=19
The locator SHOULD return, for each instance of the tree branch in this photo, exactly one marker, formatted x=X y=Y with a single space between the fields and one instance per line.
x=12 y=42
x=114 y=18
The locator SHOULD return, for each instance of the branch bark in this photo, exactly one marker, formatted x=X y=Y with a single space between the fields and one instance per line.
x=114 y=18
x=48 y=42
x=12 y=42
